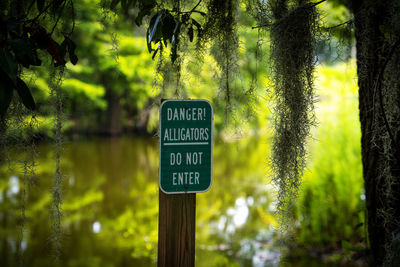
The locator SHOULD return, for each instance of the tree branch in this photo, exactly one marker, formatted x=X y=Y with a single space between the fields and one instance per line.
x=338 y=25
x=43 y=11
x=304 y=6
x=193 y=9
x=59 y=17
x=261 y=26
x=317 y=3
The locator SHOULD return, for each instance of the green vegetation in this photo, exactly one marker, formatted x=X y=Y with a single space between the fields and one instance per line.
x=110 y=202
x=114 y=87
x=109 y=212
x=331 y=205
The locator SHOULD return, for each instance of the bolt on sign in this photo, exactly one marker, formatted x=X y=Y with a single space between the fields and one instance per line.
x=185 y=146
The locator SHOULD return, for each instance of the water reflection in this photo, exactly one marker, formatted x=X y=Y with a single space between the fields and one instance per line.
x=14 y=186
x=96 y=227
x=110 y=207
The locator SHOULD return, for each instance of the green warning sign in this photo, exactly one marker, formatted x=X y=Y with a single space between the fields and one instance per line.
x=185 y=146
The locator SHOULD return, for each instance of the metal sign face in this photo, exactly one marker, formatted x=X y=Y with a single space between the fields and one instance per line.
x=185 y=146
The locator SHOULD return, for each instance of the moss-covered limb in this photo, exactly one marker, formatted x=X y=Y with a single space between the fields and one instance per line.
x=292 y=53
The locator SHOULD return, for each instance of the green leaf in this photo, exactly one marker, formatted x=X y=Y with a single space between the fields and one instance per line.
x=145 y=8
x=148 y=42
x=6 y=93
x=25 y=94
x=142 y=13
x=175 y=41
x=358 y=226
x=168 y=26
x=24 y=52
x=199 y=29
x=175 y=35
x=39 y=36
x=8 y=64
x=40 y=5
x=74 y=59
x=154 y=30
x=159 y=47
x=195 y=23
x=57 y=4
x=174 y=52
x=70 y=46
x=57 y=52
x=190 y=33
x=63 y=47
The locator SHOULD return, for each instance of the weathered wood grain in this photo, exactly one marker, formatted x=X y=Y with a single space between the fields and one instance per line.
x=176 y=230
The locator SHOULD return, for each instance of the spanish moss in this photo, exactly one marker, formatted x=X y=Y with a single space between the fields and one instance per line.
x=56 y=209
x=292 y=53
x=221 y=27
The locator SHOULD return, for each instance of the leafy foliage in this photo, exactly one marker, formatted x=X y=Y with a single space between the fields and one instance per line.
x=165 y=24
x=30 y=33
x=23 y=35
x=145 y=8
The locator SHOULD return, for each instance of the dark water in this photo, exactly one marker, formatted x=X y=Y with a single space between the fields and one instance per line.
x=110 y=207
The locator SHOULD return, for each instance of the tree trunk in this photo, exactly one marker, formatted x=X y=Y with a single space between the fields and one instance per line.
x=378 y=59
x=113 y=115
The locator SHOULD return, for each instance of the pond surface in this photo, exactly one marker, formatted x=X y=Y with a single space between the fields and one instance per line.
x=110 y=207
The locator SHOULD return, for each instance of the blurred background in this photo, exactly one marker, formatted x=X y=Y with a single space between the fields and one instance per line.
x=109 y=158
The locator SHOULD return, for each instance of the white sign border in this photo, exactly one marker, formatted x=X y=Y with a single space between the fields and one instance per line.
x=212 y=144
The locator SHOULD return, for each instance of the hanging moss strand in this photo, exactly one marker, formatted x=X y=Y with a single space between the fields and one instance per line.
x=221 y=28
x=56 y=209
x=292 y=53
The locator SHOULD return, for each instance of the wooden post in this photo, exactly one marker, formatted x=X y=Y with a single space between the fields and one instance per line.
x=176 y=230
